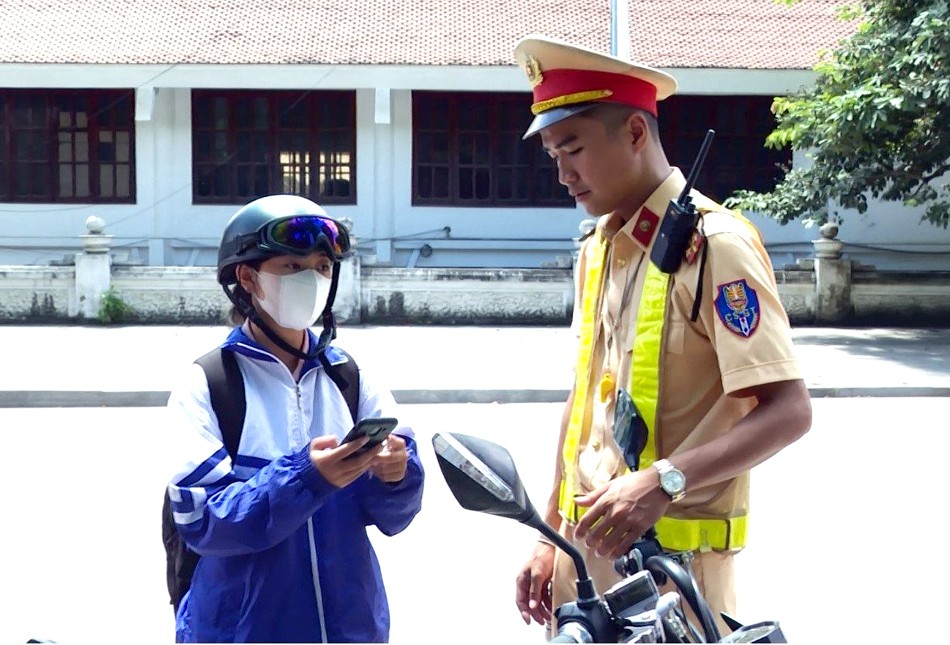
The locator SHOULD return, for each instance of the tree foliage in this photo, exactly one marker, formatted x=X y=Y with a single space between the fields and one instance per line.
x=875 y=124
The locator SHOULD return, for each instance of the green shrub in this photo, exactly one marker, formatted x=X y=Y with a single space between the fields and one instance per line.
x=112 y=308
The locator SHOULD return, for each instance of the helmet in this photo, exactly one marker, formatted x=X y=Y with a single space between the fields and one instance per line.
x=278 y=225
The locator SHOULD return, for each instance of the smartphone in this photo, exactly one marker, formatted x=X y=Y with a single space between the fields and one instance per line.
x=376 y=428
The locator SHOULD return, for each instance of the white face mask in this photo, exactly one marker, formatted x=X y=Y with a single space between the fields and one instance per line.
x=294 y=300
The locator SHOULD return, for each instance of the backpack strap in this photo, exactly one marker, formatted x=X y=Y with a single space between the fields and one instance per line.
x=346 y=375
x=228 y=399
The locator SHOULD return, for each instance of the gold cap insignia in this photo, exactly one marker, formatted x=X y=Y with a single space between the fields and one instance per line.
x=533 y=69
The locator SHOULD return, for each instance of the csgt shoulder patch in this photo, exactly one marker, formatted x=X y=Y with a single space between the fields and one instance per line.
x=738 y=307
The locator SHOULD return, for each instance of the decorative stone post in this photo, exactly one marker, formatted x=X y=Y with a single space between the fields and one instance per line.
x=585 y=228
x=93 y=269
x=832 y=278
x=347 y=306
x=827 y=247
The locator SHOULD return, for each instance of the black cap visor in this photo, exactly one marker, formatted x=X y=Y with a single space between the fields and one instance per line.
x=555 y=115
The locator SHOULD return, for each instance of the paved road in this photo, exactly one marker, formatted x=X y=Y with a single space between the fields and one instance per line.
x=138 y=365
x=839 y=522
x=836 y=518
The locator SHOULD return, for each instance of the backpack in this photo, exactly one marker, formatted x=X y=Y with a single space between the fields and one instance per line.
x=228 y=401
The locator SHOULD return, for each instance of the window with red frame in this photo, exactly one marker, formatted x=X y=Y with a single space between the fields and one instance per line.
x=247 y=144
x=467 y=151
x=67 y=146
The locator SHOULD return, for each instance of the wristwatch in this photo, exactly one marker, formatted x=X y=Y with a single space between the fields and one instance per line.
x=672 y=480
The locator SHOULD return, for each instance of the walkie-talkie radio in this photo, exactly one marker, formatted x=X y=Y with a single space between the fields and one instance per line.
x=680 y=220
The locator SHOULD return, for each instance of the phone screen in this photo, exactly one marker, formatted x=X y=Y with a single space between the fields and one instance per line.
x=376 y=428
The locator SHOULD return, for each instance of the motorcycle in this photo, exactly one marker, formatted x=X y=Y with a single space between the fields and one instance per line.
x=482 y=477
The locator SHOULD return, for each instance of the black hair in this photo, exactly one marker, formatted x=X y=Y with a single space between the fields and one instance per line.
x=614 y=115
x=235 y=315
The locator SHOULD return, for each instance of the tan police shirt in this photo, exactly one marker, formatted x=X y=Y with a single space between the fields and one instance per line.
x=740 y=339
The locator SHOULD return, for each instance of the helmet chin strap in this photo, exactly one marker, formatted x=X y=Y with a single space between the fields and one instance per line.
x=329 y=322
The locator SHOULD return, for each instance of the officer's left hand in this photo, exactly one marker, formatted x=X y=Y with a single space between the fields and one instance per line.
x=620 y=512
x=391 y=462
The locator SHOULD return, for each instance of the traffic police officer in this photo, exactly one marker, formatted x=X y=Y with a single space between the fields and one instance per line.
x=683 y=381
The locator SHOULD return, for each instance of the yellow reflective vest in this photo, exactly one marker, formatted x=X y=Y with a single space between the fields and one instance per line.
x=673 y=533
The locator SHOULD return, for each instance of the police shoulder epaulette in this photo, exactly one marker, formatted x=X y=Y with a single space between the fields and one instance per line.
x=722 y=220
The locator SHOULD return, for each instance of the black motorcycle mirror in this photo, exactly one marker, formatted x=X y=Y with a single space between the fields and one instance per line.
x=483 y=477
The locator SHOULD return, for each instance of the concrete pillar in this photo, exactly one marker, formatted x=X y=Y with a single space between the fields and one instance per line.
x=384 y=179
x=347 y=306
x=832 y=278
x=93 y=270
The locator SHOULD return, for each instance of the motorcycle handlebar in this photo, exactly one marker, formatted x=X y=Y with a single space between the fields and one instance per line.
x=690 y=592
x=572 y=632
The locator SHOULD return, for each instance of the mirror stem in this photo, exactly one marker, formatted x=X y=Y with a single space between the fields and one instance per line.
x=585 y=586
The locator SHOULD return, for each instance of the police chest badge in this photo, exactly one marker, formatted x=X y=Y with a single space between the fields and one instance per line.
x=737 y=305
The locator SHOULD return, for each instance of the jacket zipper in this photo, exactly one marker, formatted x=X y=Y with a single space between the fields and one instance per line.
x=315 y=572
x=302 y=430
x=314 y=566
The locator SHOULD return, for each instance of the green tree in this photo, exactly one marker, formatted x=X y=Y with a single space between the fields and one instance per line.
x=875 y=124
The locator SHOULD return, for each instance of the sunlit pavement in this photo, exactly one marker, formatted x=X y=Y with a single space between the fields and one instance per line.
x=836 y=521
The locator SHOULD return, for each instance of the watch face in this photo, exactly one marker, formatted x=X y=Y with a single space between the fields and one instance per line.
x=673 y=481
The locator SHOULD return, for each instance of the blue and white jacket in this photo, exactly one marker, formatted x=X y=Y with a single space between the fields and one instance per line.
x=285 y=556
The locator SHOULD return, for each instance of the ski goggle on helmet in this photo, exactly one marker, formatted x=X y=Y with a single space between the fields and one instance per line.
x=300 y=235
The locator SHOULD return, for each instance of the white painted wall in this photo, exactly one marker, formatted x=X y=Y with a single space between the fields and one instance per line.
x=888 y=236
x=164 y=228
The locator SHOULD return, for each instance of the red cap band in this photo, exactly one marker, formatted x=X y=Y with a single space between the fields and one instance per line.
x=560 y=87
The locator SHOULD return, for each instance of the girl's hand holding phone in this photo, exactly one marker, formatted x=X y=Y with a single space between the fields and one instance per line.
x=338 y=463
x=391 y=463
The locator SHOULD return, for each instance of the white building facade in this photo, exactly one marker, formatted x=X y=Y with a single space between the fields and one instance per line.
x=469 y=194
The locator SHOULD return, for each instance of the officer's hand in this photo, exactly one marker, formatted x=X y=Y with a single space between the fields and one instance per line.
x=329 y=457
x=533 y=585
x=620 y=512
x=391 y=462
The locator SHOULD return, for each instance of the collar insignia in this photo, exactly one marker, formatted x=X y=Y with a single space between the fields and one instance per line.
x=645 y=227
x=696 y=242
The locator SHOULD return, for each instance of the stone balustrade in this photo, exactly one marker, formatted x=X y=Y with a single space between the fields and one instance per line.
x=825 y=290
